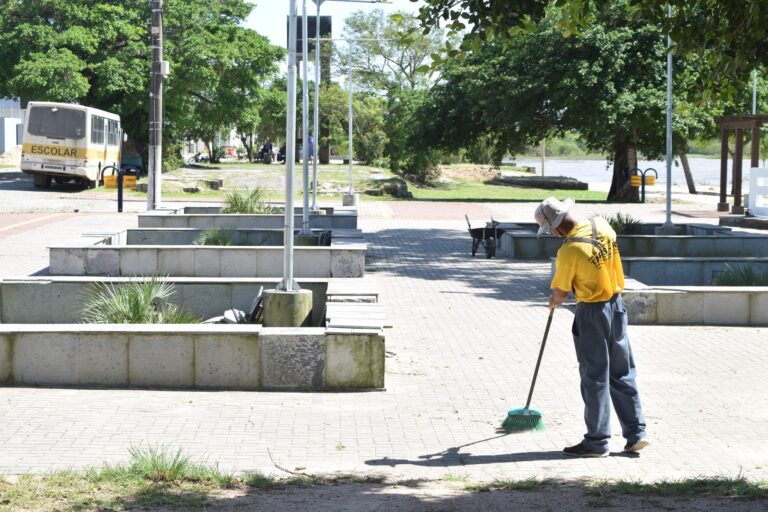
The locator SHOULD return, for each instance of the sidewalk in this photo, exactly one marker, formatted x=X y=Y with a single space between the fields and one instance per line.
x=465 y=339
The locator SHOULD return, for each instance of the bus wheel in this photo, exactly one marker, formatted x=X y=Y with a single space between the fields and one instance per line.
x=41 y=181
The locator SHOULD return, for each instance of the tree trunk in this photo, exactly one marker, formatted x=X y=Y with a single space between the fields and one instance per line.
x=688 y=175
x=248 y=147
x=624 y=160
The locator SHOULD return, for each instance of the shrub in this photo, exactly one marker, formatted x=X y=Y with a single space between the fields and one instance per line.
x=744 y=275
x=247 y=201
x=215 y=236
x=624 y=224
x=137 y=302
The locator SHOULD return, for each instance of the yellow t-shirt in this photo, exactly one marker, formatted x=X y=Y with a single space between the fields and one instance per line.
x=593 y=274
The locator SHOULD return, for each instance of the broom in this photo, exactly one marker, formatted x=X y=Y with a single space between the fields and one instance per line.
x=518 y=420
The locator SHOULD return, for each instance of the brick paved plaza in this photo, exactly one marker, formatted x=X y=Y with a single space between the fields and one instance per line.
x=462 y=350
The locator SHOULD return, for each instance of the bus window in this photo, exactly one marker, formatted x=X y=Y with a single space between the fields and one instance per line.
x=56 y=123
x=113 y=132
x=97 y=129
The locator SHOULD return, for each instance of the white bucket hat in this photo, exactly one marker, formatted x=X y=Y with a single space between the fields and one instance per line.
x=549 y=214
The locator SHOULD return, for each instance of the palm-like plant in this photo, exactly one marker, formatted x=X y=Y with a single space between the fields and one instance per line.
x=250 y=200
x=215 y=236
x=624 y=224
x=742 y=275
x=136 y=302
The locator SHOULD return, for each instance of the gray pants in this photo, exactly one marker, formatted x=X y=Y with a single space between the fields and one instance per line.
x=607 y=372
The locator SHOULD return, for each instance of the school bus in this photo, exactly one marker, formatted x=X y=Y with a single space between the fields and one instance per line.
x=66 y=142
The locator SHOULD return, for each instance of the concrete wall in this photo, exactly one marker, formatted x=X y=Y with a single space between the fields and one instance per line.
x=59 y=300
x=209 y=261
x=518 y=244
x=187 y=236
x=190 y=356
x=697 y=305
x=680 y=271
x=215 y=210
x=344 y=219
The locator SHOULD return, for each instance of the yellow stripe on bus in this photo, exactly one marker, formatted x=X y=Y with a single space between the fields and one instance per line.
x=51 y=151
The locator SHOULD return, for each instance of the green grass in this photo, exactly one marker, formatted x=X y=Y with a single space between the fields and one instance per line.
x=215 y=236
x=138 y=301
x=741 y=275
x=710 y=487
x=481 y=191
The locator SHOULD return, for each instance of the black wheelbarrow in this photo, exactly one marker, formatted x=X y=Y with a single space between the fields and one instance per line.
x=487 y=237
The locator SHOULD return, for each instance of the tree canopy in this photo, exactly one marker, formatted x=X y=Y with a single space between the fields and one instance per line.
x=731 y=36
x=608 y=85
x=98 y=53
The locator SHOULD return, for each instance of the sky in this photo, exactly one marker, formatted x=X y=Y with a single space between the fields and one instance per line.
x=269 y=16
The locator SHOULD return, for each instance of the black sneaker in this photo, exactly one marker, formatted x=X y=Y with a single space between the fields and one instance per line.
x=579 y=450
x=636 y=446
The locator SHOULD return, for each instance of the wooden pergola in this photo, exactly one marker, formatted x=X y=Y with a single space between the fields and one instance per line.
x=739 y=124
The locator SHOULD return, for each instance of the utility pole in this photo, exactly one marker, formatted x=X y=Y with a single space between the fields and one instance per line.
x=305 y=120
x=159 y=71
x=288 y=284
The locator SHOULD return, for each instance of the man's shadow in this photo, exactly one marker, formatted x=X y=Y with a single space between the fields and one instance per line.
x=452 y=456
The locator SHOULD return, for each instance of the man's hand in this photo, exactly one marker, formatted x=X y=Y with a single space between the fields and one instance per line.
x=558 y=297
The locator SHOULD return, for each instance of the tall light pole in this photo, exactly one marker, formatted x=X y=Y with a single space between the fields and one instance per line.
x=305 y=120
x=316 y=123
x=288 y=284
x=668 y=223
x=316 y=130
x=159 y=70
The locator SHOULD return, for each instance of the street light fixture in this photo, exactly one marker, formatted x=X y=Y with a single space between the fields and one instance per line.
x=316 y=127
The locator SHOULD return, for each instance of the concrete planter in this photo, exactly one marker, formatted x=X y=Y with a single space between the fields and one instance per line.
x=246 y=357
x=699 y=305
x=699 y=240
x=340 y=219
x=347 y=260
x=40 y=343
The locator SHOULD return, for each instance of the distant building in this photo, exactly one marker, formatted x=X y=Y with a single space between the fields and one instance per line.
x=11 y=124
x=11 y=108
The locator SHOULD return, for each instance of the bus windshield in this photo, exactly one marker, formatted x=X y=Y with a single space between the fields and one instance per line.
x=56 y=123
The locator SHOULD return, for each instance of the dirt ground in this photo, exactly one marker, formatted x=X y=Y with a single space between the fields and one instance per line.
x=419 y=496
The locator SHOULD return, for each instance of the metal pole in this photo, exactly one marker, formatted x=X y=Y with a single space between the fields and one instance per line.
x=543 y=152
x=668 y=222
x=288 y=284
x=155 y=156
x=754 y=93
x=316 y=124
x=351 y=191
x=305 y=119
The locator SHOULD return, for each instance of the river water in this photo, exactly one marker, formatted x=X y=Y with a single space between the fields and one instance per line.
x=706 y=171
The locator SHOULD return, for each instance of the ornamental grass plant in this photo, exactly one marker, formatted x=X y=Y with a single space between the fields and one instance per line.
x=138 y=301
x=247 y=201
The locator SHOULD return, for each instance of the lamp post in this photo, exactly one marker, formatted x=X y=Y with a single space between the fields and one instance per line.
x=288 y=284
x=316 y=128
x=668 y=223
x=159 y=71
x=305 y=121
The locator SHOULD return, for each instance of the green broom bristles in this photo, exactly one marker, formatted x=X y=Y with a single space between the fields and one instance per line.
x=519 y=420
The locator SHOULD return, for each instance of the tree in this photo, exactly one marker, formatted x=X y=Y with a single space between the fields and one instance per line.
x=608 y=85
x=97 y=53
x=731 y=36
x=49 y=50
x=388 y=51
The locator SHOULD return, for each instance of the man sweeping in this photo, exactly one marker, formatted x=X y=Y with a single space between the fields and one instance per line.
x=588 y=264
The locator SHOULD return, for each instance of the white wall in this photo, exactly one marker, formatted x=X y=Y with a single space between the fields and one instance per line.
x=9 y=133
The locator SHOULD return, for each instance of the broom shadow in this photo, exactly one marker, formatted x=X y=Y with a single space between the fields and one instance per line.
x=453 y=457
